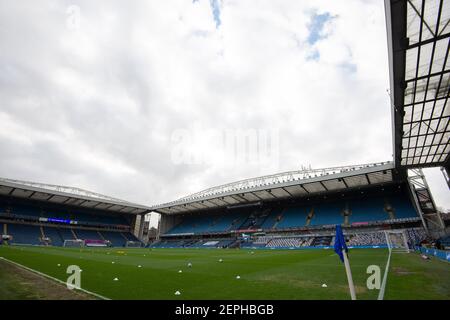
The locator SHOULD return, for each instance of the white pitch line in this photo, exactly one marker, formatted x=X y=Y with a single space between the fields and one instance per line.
x=52 y=278
x=383 y=284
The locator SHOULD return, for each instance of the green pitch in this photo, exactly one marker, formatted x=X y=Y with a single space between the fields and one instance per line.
x=264 y=274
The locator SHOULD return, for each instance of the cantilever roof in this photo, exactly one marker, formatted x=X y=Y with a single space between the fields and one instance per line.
x=419 y=41
x=282 y=186
x=67 y=195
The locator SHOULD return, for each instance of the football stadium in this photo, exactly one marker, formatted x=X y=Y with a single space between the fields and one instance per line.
x=271 y=237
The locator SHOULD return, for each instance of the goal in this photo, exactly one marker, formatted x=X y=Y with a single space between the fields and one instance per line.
x=133 y=244
x=397 y=240
x=74 y=243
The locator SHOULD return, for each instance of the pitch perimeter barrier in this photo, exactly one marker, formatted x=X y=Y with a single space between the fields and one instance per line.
x=441 y=254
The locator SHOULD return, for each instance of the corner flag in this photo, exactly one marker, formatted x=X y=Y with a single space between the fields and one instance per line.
x=340 y=247
x=339 y=242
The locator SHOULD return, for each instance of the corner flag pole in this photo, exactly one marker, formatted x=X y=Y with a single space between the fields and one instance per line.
x=340 y=247
x=351 y=286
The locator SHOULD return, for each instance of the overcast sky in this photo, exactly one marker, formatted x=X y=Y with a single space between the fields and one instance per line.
x=142 y=100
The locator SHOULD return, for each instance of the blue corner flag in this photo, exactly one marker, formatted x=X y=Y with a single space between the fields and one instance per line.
x=339 y=242
x=339 y=247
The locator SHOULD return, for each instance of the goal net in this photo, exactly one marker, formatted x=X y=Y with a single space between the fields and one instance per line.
x=397 y=240
x=133 y=244
x=74 y=243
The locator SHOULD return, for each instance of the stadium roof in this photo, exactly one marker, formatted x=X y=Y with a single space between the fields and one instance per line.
x=418 y=42
x=282 y=186
x=67 y=195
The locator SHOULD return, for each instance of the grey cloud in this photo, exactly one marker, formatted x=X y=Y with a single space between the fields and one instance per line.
x=99 y=113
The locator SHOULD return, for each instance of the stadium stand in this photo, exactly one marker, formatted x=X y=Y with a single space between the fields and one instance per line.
x=54 y=235
x=88 y=234
x=285 y=243
x=205 y=243
x=129 y=236
x=116 y=238
x=272 y=219
x=24 y=234
x=367 y=210
x=66 y=234
x=292 y=217
x=322 y=241
x=31 y=234
x=444 y=242
x=416 y=235
x=207 y=224
x=31 y=212
x=34 y=219
x=403 y=208
x=367 y=239
x=372 y=238
x=328 y=214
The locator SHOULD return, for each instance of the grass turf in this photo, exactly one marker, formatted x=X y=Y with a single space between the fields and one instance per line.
x=265 y=274
x=17 y=283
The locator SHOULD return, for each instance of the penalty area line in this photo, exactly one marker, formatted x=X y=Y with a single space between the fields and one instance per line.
x=52 y=278
x=386 y=271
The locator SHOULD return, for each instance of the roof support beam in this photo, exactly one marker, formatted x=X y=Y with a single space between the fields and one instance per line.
x=321 y=183
x=428 y=79
x=409 y=105
x=427 y=41
x=396 y=13
x=367 y=178
x=11 y=192
x=237 y=197
x=430 y=119
x=428 y=76
x=429 y=83
x=284 y=189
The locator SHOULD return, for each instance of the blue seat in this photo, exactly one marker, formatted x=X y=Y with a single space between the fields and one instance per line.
x=326 y=214
x=293 y=217
x=403 y=208
x=23 y=209
x=116 y=238
x=271 y=219
x=368 y=210
x=24 y=234
x=66 y=234
x=130 y=236
x=54 y=235
x=87 y=234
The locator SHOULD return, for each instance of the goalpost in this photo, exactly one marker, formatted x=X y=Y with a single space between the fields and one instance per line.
x=397 y=240
x=74 y=243
x=133 y=244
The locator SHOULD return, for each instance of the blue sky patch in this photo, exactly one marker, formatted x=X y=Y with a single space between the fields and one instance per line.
x=315 y=55
x=316 y=26
x=215 y=8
